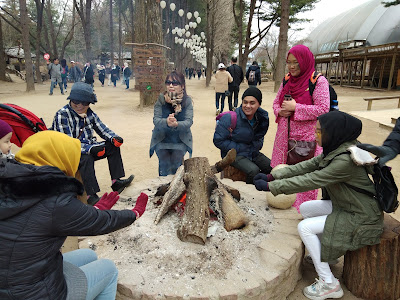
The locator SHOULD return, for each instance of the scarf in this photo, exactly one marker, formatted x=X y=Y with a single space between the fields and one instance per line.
x=51 y=148
x=297 y=86
x=175 y=100
x=337 y=128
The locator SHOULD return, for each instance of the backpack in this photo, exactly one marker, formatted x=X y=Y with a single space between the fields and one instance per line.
x=252 y=76
x=385 y=187
x=233 y=120
x=312 y=82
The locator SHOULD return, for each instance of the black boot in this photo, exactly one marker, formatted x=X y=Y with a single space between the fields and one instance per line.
x=120 y=184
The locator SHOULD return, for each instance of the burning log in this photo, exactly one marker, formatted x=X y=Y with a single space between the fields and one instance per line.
x=174 y=193
x=194 y=223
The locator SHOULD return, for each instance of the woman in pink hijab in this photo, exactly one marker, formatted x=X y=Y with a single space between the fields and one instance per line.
x=301 y=110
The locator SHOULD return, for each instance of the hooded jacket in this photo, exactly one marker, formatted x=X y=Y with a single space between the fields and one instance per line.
x=38 y=210
x=257 y=75
x=246 y=139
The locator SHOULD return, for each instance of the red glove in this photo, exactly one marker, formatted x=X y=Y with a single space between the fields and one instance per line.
x=140 y=206
x=98 y=151
x=117 y=141
x=107 y=201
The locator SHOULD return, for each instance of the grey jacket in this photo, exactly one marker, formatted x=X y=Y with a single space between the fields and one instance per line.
x=55 y=71
x=161 y=129
x=356 y=219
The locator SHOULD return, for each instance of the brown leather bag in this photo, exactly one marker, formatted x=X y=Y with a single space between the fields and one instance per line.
x=299 y=151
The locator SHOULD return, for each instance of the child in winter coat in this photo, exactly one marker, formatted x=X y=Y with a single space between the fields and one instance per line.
x=5 y=138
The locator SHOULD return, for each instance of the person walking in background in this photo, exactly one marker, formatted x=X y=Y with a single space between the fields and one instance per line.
x=64 y=73
x=187 y=72
x=347 y=220
x=199 y=73
x=108 y=73
x=173 y=117
x=237 y=75
x=75 y=72
x=55 y=75
x=297 y=116
x=127 y=74
x=222 y=78
x=78 y=120
x=37 y=213
x=247 y=137
x=190 y=73
x=253 y=74
x=114 y=75
x=89 y=73
x=101 y=70
x=118 y=68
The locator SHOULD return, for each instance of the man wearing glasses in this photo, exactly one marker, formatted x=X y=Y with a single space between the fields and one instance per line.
x=78 y=120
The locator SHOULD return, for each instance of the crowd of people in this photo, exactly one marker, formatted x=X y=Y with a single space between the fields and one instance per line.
x=38 y=196
x=60 y=73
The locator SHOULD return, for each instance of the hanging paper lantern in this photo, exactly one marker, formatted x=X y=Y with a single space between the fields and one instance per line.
x=176 y=39
x=187 y=27
x=183 y=30
x=187 y=34
x=194 y=25
x=198 y=20
x=196 y=14
x=172 y=6
x=180 y=12
x=163 y=4
x=173 y=31
x=202 y=35
x=189 y=15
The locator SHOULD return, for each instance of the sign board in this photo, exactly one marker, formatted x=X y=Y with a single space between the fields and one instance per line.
x=46 y=56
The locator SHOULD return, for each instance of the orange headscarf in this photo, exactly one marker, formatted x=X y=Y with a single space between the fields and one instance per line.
x=51 y=148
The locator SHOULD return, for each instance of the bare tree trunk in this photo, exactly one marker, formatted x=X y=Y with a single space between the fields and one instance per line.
x=39 y=24
x=52 y=41
x=2 y=56
x=111 y=33
x=210 y=13
x=282 y=47
x=83 y=10
x=30 y=84
x=132 y=19
x=119 y=33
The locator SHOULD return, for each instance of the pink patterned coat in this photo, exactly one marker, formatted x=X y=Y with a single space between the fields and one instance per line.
x=302 y=127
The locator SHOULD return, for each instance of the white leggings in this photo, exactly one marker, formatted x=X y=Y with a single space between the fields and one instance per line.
x=314 y=213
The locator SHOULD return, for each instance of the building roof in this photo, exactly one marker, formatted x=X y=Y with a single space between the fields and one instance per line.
x=370 y=22
x=16 y=52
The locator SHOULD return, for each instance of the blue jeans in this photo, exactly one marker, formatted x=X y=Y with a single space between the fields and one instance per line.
x=52 y=85
x=169 y=160
x=64 y=82
x=101 y=274
x=126 y=79
x=217 y=97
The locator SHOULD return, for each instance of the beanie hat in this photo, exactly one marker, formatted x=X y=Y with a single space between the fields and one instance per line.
x=4 y=129
x=253 y=91
x=83 y=92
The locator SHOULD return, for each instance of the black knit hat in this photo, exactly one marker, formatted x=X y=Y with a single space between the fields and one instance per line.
x=82 y=92
x=253 y=91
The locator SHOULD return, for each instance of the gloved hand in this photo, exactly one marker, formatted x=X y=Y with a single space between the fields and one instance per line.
x=384 y=153
x=140 y=206
x=98 y=151
x=261 y=185
x=266 y=177
x=117 y=141
x=107 y=201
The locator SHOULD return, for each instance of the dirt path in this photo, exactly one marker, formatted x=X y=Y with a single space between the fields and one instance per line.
x=118 y=108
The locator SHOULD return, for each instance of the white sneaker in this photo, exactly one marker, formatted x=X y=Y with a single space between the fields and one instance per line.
x=321 y=290
x=308 y=259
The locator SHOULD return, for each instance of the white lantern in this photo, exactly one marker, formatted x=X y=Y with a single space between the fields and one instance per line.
x=198 y=20
x=190 y=24
x=173 y=31
x=181 y=41
x=179 y=32
x=163 y=4
x=180 y=12
x=176 y=39
x=187 y=27
x=184 y=44
x=202 y=35
x=189 y=15
x=183 y=30
x=196 y=14
x=187 y=34
x=172 y=6
x=194 y=25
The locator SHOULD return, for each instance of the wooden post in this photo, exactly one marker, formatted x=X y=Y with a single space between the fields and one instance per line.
x=364 y=67
x=381 y=73
x=194 y=223
x=373 y=272
x=391 y=72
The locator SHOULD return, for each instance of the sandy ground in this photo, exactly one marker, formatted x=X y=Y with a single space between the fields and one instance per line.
x=119 y=109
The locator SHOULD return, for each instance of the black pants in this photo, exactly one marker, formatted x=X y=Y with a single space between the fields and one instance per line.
x=86 y=168
x=233 y=89
x=261 y=163
x=169 y=160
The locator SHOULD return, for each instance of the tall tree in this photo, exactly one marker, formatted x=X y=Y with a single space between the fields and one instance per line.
x=83 y=9
x=282 y=46
x=39 y=23
x=119 y=33
x=3 y=64
x=30 y=84
x=111 y=33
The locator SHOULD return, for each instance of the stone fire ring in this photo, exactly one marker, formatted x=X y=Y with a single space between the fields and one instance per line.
x=271 y=271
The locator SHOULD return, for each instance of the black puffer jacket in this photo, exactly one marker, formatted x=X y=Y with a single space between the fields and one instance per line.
x=393 y=140
x=38 y=210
